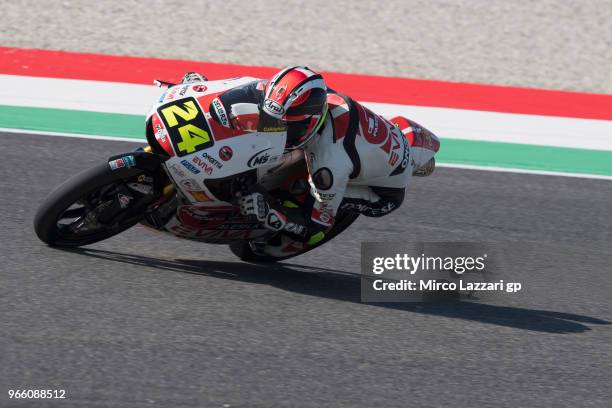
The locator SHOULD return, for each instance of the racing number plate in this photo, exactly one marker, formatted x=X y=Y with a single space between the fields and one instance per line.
x=186 y=126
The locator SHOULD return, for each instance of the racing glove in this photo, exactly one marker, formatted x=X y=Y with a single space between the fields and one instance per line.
x=255 y=204
x=286 y=218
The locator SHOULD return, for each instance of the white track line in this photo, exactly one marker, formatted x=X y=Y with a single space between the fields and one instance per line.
x=76 y=94
x=77 y=135
x=523 y=171
x=134 y=99
x=447 y=165
x=506 y=127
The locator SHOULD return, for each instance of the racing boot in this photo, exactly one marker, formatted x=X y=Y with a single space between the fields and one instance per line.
x=426 y=169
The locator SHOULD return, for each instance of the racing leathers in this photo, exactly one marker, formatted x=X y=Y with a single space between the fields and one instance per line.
x=358 y=162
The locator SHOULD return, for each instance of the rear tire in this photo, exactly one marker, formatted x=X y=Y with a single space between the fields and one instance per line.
x=67 y=194
x=243 y=250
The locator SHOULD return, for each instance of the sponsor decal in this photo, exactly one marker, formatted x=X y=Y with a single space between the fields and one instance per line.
x=393 y=157
x=226 y=153
x=325 y=217
x=171 y=93
x=405 y=160
x=322 y=213
x=190 y=216
x=183 y=90
x=190 y=167
x=374 y=133
x=125 y=161
x=208 y=169
x=160 y=134
x=273 y=107
x=274 y=222
x=327 y=197
x=373 y=125
x=387 y=136
x=212 y=160
x=199 y=88
x=262 y=157
x=220 y=111
x=259 y=158
x=178 y=170
x=211 y=235
x=202 y=218
x=159 y=131
x=237 y=226
x=275 y=129
x=187 y=126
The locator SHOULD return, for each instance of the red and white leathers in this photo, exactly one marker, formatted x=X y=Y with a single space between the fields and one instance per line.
x=357 y=162
x=360 y=162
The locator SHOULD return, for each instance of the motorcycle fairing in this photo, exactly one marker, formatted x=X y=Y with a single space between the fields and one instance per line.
x=186 y=125
x=198 y=147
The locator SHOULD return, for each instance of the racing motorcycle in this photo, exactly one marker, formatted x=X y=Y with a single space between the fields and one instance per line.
x=186 y=180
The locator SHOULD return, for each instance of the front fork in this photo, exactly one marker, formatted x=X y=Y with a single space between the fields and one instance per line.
x=163 y=204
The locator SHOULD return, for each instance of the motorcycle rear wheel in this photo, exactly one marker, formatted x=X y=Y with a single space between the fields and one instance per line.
x=243 y=250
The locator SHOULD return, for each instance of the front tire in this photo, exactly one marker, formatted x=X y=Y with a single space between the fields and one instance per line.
x=77 y=189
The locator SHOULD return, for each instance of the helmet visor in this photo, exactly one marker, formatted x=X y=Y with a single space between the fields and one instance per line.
x=268 y=123
x=299 y=132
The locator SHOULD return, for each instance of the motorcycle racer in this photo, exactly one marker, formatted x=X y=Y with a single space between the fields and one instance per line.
x=357 y=160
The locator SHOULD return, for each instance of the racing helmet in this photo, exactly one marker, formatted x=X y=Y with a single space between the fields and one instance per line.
x=298 y=97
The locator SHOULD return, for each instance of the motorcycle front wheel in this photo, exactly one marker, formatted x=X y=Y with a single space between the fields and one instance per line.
x=92 y=206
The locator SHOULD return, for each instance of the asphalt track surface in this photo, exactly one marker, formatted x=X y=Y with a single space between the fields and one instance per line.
x=149 y=320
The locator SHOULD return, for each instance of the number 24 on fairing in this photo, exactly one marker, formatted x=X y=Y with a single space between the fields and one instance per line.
x=186 y=125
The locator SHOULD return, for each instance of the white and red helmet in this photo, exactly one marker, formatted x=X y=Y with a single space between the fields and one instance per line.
x=298 y=96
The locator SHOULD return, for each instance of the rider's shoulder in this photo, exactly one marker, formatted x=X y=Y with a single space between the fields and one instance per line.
x=337 y=104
